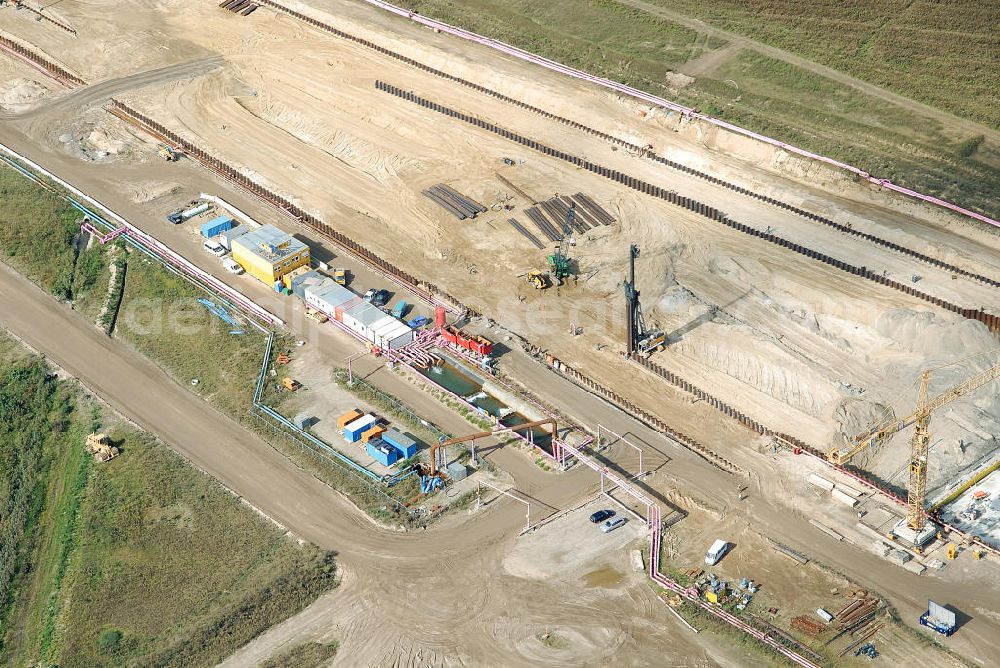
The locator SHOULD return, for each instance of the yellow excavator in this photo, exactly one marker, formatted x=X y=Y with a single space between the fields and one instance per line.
x=167 y=153
x=921 y=416
x=538 y=279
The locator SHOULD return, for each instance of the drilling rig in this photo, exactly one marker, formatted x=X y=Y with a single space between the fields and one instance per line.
x=559 y=261
x=639 y=338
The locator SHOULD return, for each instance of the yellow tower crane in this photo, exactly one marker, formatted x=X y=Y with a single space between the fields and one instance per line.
x=921 y=416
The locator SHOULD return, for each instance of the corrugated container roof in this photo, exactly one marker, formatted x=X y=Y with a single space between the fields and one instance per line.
x=400 y=329
x=278 y=244
x=396 y=437
x=361 y=424
x=330 y=292
x=366 y=314
x=383 y=324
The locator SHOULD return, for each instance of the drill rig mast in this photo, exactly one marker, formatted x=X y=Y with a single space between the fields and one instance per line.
x=638 y=337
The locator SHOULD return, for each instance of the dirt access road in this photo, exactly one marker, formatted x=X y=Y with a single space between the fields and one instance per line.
x=704 y=483
x=438 y=597
x=387 y=574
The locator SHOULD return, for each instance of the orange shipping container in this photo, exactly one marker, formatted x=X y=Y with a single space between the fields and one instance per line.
x=374 y=432
x=348 y=417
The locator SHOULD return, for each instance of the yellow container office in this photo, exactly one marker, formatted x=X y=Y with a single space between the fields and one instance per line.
x=268 y=253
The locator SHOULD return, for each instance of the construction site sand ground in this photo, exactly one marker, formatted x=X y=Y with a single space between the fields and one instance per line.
x=786 y=340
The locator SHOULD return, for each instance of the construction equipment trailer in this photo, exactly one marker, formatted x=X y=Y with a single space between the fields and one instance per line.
x=939 y=618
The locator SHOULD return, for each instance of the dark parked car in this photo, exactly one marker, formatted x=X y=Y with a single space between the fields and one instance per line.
x=380 y=298
x=601 y=515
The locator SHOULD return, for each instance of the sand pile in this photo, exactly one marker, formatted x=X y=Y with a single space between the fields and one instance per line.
x=20 y=93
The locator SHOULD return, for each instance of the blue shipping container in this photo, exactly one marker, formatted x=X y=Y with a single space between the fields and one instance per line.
x=407 y=446
x=217 y=225
x=382 y=452
x=354 y=429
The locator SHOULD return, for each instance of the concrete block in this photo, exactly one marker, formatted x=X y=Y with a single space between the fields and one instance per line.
x=827 y=530
x=821 y=482
x=847 y=489
x=899 y=557
x=915 y=567
x=637 y=563
x=844 y=498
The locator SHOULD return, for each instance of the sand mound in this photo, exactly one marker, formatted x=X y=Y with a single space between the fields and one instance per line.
x=21 y=92
x=147 y=191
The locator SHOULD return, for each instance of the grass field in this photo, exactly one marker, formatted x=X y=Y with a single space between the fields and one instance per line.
x=161 y=317
x=40 y=477
x=922 y=55
x=943 y=54
x=140 y=561
x=37 y=230
x=203 y=574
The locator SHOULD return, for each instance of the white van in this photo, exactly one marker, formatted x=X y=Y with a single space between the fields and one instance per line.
x=232 y=266
x=214 y=247
x=716 y=552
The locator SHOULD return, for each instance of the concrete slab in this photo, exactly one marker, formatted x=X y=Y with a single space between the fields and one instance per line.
x=980 y=517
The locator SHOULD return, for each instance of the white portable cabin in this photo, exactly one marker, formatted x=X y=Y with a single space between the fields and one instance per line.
x=327 y=296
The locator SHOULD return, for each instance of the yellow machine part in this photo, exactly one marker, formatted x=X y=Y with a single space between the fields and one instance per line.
x=537 y=279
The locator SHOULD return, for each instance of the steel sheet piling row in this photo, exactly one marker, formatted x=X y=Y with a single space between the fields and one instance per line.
x=54 y=70
x=700 y=208
x=847 y=229
x=629 y=407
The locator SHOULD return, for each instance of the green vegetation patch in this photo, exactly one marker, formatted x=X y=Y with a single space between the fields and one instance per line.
x=141 y=560
x=37 y=434
x=304 y=655
x=160 y=315
x=943 y=54
x=586 y=34
x=38 y=237
x=173 y=570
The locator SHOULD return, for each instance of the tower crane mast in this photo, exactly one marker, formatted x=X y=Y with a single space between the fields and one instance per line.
x=919 y=443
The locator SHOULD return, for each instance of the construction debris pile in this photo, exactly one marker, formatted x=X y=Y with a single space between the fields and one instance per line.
x=99 y=445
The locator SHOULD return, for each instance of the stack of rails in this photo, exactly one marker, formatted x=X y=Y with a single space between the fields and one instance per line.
x=454 y=202
x=531 y=237
x=593 y=209
x=244 y=7
x=551 y=232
